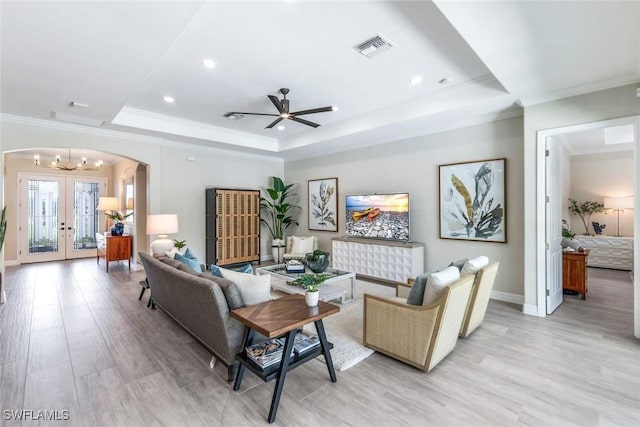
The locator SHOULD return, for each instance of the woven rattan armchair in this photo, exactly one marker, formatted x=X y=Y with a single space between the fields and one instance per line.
x=479 y=300
x=420 y=336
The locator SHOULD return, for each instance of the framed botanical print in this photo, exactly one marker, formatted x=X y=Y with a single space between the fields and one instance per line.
x=473 y=201
x=323 y=204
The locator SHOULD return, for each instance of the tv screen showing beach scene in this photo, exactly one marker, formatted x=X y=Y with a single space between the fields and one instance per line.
x=378 y=216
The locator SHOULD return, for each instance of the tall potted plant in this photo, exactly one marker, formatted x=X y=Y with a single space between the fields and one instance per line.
x=584 y=210
x=278 y=213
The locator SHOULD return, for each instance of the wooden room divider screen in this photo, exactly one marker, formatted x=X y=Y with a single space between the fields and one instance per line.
x=233 y=226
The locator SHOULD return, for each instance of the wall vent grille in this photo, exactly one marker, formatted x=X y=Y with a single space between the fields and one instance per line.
x=373 y=46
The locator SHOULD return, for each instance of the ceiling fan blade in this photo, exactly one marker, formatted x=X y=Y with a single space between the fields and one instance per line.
x=249 y=114
x=275 y=122
x=313 y=110
x=277 y=103
x=304 y=122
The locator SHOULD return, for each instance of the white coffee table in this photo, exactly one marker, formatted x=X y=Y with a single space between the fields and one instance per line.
x=328 y=291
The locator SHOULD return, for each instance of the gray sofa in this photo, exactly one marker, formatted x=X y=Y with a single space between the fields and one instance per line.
x=199 y=303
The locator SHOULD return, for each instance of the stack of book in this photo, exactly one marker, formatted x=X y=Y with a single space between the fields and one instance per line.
x=295 y=266
x=269 y=352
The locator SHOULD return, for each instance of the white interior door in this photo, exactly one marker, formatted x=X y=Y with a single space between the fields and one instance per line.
x=554 y=226
x=58 y=217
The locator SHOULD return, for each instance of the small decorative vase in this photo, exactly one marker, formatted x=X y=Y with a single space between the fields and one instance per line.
x=598 y=228
x=117 y=229
x=311 y=298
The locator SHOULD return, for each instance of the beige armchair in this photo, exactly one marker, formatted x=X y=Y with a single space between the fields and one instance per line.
x=420 y=336
x=479 y=300
x=292 y=252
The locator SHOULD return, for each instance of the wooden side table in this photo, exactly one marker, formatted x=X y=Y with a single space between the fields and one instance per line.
x=574 y=271
x=276 y=318
x=116 y=248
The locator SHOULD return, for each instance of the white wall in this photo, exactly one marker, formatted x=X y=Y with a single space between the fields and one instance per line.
x=176 y=185
x=596 y=176
x=592 y=107
x=412 y=166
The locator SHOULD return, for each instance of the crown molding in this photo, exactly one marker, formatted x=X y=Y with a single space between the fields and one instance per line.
x=148 y=120
x=69 y=127
x=528 y=101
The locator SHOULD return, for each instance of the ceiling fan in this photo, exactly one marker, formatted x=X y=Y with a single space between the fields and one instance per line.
x=282 y=105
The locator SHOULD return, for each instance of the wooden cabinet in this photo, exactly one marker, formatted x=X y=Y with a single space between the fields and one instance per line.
x=232 y=226
x=115 y=248
x=574 y=271
x=608 y=251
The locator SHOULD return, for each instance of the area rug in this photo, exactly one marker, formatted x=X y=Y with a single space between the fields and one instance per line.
x=344 y=329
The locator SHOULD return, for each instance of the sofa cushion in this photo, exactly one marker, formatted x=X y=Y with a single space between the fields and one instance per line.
x=301 y=245
x=437 y=282
x=254 y=289
x=194 y=264
x=231 y=291
x=416 y=294
x=474 y=265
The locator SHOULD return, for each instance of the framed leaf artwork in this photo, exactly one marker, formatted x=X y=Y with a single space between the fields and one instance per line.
x=473 y=201
x=323 y=204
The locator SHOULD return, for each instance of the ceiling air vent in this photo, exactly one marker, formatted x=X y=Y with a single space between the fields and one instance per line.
x=374 y=46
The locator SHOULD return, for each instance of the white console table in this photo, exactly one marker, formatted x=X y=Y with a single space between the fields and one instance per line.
x=608 y=251
x=378 y=259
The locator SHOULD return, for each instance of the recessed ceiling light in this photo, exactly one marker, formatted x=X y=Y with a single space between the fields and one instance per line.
x=416 y=80
x=209 y=63
x=334 y=108
x=168 y=99
x=281 y=127
x=446 y=80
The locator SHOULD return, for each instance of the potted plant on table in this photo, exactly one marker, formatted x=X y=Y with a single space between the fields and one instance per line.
x=310 y=283
x=118 y=226
x=584 y=210
x=278 y=210
x=318 y=261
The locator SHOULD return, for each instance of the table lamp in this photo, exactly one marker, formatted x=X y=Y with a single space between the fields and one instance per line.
x=618 y=204
x=162 y=226
x=108 y=204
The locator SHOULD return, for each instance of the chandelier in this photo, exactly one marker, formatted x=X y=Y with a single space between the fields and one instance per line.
x=68 y=165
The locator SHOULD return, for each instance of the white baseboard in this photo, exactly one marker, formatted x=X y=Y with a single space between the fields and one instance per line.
x=507 y=297
x=531 y=310
x=11 y=262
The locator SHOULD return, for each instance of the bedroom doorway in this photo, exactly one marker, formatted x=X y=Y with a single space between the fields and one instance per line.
x=549 y=201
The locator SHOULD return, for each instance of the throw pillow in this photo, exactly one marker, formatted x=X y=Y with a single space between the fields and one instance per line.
x=186 y=268
x=417 y=290
x=459 y=263
x=474 y=265
x=302 y=245
x=246 y=268
x=254 y=289
x=229 y=289
x=170 y=261
x=187 y=252
x=437 y=282
x=192 y=263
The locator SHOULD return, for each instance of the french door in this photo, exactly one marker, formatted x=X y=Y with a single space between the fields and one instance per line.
x=58 y=217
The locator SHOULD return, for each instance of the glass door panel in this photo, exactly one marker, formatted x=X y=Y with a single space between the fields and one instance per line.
x=81 y=231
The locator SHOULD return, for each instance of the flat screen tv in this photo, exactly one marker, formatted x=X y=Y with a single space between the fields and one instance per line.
x=378 y=216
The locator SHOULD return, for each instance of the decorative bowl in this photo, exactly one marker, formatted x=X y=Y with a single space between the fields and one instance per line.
x=318 y=263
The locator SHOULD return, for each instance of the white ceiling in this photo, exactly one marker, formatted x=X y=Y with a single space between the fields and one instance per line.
x=122 y=58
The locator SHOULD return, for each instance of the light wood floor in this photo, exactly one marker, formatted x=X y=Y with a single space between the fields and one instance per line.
x=73 y=337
